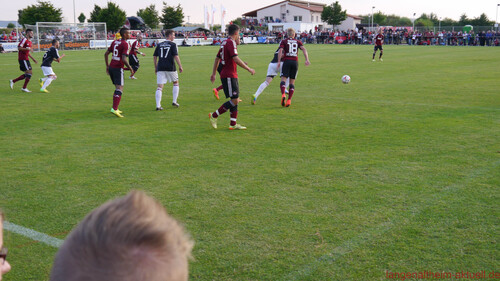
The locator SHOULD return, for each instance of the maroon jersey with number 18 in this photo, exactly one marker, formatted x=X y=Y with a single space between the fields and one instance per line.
x=23 y=55
x=226 y=53
x=290 y=48
x=379 y=39
x=118 y=48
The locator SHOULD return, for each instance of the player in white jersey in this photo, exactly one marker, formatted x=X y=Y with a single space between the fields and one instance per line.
x=272 y=71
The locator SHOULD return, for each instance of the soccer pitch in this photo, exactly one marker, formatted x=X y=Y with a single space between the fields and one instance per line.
x=398 y=171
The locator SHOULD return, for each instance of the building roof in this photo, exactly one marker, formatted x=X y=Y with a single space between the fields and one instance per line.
x=354 y=17
x=297 y=3
x=311 y=6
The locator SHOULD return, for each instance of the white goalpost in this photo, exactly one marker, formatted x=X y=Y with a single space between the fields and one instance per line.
x=72 y=36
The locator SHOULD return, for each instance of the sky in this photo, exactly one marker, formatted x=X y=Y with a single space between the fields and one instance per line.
x=193 y=9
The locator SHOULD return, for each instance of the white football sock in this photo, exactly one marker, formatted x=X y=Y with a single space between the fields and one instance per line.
x=47 y=83
x=262 y=87
x=175 y=93
x=43 y=79
x=158 y=98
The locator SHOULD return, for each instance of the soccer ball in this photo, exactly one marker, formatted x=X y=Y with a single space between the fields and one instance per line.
x=346 y=79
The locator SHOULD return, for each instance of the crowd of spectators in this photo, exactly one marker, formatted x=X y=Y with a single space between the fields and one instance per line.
x=394 y=36
x=9 y=37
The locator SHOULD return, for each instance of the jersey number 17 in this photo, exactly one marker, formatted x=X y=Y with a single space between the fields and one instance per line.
x=165 y=50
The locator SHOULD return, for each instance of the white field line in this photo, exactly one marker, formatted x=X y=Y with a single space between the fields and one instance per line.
x=371 y=235
x=32 y=234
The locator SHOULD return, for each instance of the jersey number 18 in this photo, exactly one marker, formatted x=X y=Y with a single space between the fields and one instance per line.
x=293 y=48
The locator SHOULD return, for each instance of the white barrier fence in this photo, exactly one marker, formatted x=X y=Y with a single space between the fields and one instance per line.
x=10 y=47
x=101 y=44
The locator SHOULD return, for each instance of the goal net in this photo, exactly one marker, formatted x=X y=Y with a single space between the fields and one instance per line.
x=72 y=36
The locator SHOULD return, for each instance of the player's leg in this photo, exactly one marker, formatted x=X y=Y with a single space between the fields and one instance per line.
x=50 y=76
x=230 y=92
x=262 y=87
x=290 y=92
x=374 y=52
x=28 y=75
x=283 y=88
x=134 y=64
x=175 y=93
x=235 y=92
x=294 y=68
x=116 y=75
x=381 y=53
x=23 y=66
x=216 y=90
x=158 y=94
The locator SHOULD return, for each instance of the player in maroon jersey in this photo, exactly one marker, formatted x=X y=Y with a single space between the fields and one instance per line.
x=288 y=52
x=379 y=40
x=119 y=49
x=24 y=55
x=228 y=57
x=132 y=57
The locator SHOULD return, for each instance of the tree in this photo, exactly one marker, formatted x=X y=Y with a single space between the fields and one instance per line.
x=40 y=12
x=10 y=25
x=482 y=20
x=463 y=20
x=237 y=21
x=424 y=22
x=94 y=15
x=379 y=18
x=81 y=18
x=150 y=16
x=171 y=16
x=333 y=14
x=112 y=15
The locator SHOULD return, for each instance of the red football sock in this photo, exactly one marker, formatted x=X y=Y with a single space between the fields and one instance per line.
x=283 y=88
x=234 y=115
x=26 y=82
x=220 y=87
x=19 y=78
x=116 y=101
x=219 y=111
x=290 y=93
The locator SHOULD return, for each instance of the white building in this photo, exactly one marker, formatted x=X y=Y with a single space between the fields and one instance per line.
x=300 y=15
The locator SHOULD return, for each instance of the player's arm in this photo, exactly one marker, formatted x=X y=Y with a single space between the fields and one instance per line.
x=155 y=59
x=306 y=55
x=139 y=52
x=106 y=59
x=59 y=58
x=125 y=61
x=280 y=54
x=178 y=61
x=239 y=62
x=34 y=60
x=214 y=69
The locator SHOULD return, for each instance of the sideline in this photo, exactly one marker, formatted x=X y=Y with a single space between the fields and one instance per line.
x=34 y=235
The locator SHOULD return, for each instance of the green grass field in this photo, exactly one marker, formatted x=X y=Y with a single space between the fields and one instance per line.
x=397 y=171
